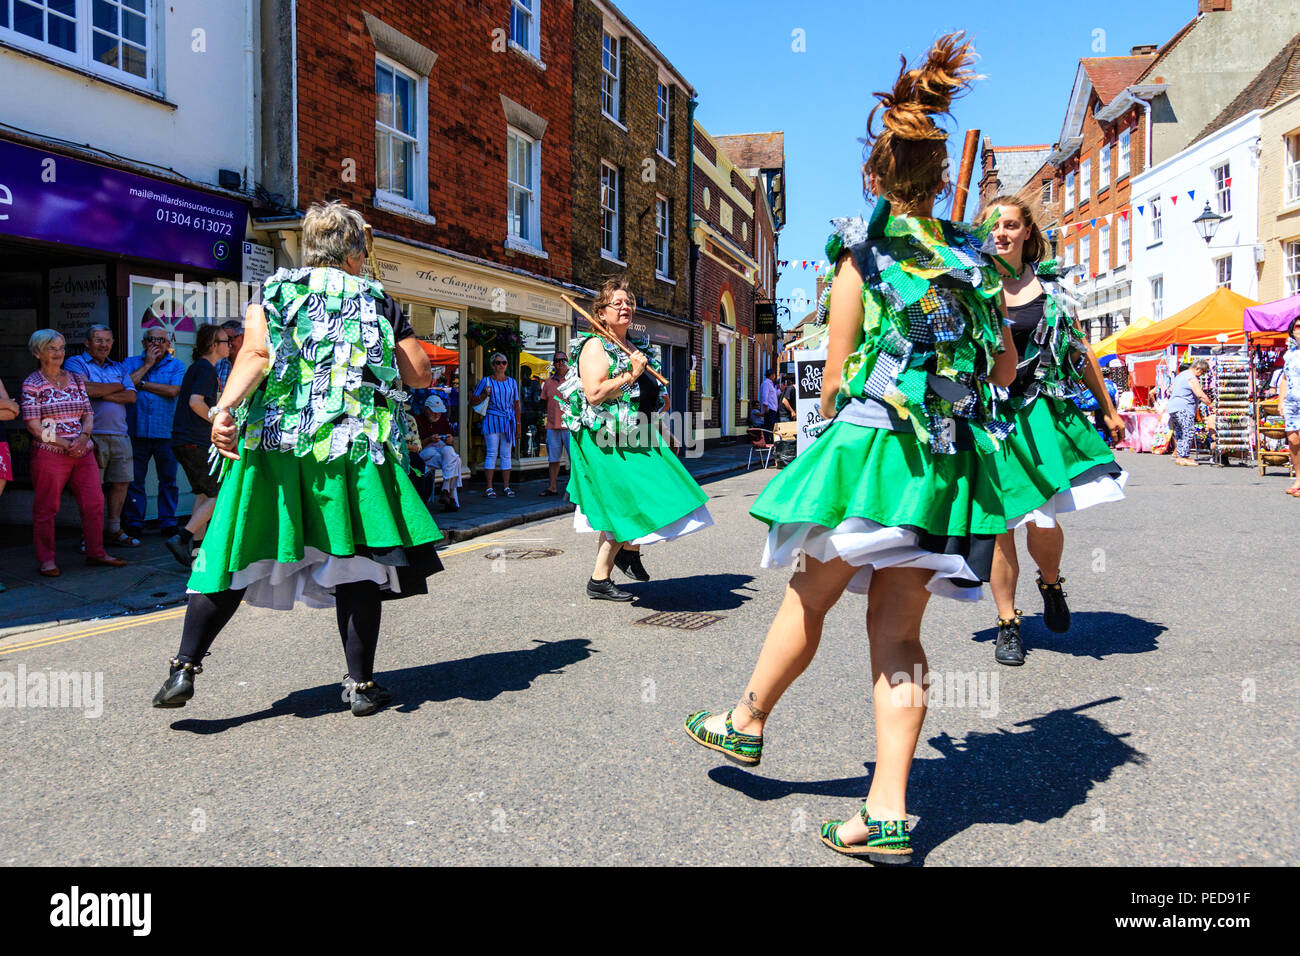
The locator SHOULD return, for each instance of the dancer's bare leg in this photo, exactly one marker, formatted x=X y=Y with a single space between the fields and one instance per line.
x=605 y=551
x=895 y=605
x=1046 y=545
x=791 y=642
x=1006 y=574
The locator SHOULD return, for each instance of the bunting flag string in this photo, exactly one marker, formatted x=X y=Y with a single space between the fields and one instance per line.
x=1191 y=194
x=1173 y=198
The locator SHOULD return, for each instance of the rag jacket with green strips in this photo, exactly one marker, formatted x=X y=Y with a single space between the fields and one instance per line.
x=931 y=322
x=1054 y=349
x=332 y=353
x=618 y=414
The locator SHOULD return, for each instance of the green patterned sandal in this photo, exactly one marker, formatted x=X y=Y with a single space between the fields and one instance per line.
x=888 y=841
x=740 y=748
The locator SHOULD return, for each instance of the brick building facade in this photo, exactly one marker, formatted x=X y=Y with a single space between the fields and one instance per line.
x=630 y=178
x=1102 y=147
x=450 y=131
x=725 y=277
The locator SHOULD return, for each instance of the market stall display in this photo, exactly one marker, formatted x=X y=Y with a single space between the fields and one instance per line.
x=1272 y=437
x=1232 y=415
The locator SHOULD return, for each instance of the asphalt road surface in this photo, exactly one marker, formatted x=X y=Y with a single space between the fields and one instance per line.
x=537 y=726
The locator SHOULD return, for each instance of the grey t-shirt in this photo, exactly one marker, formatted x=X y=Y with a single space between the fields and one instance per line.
x=1182 y=398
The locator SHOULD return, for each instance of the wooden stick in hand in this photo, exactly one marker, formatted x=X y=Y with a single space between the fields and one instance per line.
x=605 y=333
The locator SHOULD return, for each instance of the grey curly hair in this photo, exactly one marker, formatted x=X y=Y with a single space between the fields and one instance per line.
x=330 y=233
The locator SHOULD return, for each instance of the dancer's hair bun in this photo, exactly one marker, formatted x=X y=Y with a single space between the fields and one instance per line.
x=907 y=156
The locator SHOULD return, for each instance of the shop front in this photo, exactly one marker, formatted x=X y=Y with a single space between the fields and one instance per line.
x=84 y=244
x=464 y=313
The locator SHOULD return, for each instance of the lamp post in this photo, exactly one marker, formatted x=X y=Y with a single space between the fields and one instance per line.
x=1207 y=223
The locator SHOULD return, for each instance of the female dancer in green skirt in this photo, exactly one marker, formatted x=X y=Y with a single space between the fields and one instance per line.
x=898 y=498
x=625 y=481
x=317 y=507
x=1054 y=461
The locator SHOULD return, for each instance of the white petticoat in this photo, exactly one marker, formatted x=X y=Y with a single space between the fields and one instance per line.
x=695 y=521
x=1083 y=496
x=278 y=586
x=870 y=545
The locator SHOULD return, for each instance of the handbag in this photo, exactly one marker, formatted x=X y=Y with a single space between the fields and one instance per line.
x=480 y=408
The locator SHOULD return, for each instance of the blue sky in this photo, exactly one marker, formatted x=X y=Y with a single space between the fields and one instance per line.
x=739 y=57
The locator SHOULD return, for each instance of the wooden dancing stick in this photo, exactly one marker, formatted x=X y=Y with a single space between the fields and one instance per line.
x=964 y=175
x=604 y=332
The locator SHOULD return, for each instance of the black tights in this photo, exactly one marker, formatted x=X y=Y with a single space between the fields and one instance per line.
x=357 y=606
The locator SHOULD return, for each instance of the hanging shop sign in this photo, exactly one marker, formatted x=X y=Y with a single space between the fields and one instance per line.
x=54 y=198
x=449 y=283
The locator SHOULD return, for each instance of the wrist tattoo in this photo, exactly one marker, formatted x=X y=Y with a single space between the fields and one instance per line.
x=751 y=705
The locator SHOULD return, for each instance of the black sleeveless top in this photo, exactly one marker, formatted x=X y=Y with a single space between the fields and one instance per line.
x=1024 y=320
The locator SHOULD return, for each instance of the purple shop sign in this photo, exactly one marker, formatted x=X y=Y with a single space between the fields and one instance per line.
x=55 y=198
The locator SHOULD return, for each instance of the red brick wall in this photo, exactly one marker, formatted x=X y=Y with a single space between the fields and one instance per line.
x=1116 y=197
x=466 y=125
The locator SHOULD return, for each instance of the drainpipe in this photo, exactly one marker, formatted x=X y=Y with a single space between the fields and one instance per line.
x=1146 y=106
x=692 y=253
x=251 y=97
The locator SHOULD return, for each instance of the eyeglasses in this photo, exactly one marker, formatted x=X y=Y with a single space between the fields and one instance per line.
x=498 y=363
x=223 y=341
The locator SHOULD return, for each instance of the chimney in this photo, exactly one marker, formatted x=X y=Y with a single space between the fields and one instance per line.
x=1213 y=6
x=1144 y=49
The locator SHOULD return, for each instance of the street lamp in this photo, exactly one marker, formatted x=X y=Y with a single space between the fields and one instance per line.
x=1207 y=223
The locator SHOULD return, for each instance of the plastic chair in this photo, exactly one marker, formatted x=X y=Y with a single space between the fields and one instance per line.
x=761 y=441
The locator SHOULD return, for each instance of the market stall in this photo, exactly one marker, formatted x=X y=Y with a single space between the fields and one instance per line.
x=1266 y=327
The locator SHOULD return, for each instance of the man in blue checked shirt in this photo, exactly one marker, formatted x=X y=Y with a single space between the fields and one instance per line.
x=157 y=376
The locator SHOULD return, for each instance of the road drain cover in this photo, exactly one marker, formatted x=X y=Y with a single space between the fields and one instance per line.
x=521 y=554
x=682 y=620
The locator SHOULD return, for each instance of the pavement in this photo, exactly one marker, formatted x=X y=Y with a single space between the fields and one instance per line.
x=532 y=725
x=154 y=580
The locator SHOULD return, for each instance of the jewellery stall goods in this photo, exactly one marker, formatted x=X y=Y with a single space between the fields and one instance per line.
x=1232 y=415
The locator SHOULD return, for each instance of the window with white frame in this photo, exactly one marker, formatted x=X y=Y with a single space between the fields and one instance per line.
x=1085 y=181
x=1103 y=248
x=114 y=38
x=523 y=187
x=1125 y=239
x=664 y=100
x=1122 y=166
x=1103 y=170
x=1069 y=191
x=609 y=210
x=398 y=146
x=610 y=76
x=1047 y=191
x=1291 y=268
x=1085 y=255
x=523 y=25
x=1223 y=189
x=1157 y=223
x=1067 y=255
x=1291 y=179
x=1157 y=298
x=1223 y=273
x=663 y=229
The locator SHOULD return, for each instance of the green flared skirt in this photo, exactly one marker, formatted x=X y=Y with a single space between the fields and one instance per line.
x=1055 y=462
x=881 y=499
x=291 y=529
x=636 y=493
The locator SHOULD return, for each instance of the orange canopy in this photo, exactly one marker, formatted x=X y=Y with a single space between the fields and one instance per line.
x=438 y=355
x=1219 y=313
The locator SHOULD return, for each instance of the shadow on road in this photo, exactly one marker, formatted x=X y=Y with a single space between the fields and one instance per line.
x=1032 y=775
x=704 y=592
x=484 y=677
x=1092 y=634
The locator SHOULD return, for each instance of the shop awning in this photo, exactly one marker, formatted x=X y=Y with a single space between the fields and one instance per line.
x=439 y=355
x=1271 y=316
x=1219 y=313
x=1108 y=345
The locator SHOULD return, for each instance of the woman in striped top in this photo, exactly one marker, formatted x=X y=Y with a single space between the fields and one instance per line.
x=500 y=423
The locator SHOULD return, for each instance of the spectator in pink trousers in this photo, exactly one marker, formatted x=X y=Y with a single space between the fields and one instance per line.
x=57 y=412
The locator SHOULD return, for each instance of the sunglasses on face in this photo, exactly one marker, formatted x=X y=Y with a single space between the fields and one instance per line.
x=498 y=363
